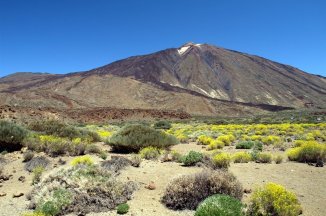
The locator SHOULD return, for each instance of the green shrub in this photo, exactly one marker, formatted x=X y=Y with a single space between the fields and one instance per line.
x=187 y=191
x=59 y=199
x=221 y=160
x=258 y=146
x=163 y=124
x=245 y=145
x=122 y=208
x=37 y=173
x=221 y=205
x=132 y=138
x=150 y=153
x=264 y=157
x=274 y=199
x=11 y=136
x=241 y=157
x=49 y=208
x=192 y=158
x=308 y=153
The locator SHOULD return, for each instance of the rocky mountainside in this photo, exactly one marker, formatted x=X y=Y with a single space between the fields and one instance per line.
x=197 y=78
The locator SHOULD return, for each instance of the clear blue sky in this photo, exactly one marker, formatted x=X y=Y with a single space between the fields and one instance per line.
x=61 y=36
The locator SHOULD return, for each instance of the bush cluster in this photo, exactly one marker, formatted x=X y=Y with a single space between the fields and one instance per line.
x=186 y=192
x=132 y=138
x=274 y=199
x=55 y=146
x=57 y=128
x=309 y=152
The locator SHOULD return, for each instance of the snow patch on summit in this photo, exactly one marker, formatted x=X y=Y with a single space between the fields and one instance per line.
x=182 y=50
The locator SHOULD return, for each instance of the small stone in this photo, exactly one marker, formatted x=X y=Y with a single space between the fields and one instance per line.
x=16 y=195
x=1 y=185
x=150 y=186
x=14 y=171
x=2 y=194
x=247 y=190
x=55 y=165
x=21 y=178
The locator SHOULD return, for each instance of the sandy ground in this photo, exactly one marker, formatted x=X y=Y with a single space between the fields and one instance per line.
x=306 y=181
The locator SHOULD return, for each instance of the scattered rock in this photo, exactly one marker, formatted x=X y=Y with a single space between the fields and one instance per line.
x=320 y=163
x=21 y=178
x=16 y=195
x=150 y=186
x=62 y=162
x=247 y=190
x=2 y=194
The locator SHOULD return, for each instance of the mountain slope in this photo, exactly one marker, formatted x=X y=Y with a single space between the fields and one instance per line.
x=198 y=78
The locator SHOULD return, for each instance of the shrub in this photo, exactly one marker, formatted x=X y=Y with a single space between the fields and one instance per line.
x=59 y=199
x=245 y=145
x=27 y=156
x=116 y=163
x=163 y=124
x=92 y=149
x=37 y=173
x=49 y=208
x=222 y=160
x=204 y=140
x=308 y=153
x=176 y=156
x=241 y=157
x=192 y=158
x=271 y=140
x=56 y=128
x=135 y=160
x=226 y=139
x=85 y=159
x=103 y=155
x=40 y=161
x=264 y=157
x=122 y=208
x=278 y=158
x=150 y=153
x=132 y=138
x=215 y=144
x=221 y=205
x=11 y=136
x=274 y=199
x=85 y=189
x=187 y=191
x=258 y=146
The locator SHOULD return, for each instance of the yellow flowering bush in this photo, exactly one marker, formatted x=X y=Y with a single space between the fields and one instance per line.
x=241 y=157
x=308 y=152
x=274 y=199
x=215 y=144
x=204 y=140
x=85 y=159
x=222 y=160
